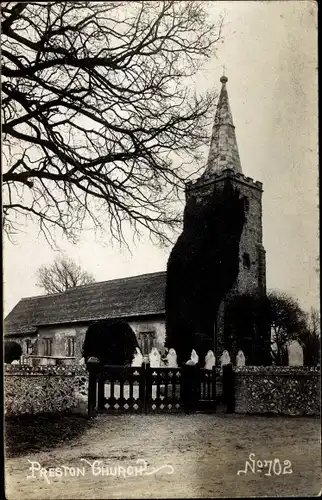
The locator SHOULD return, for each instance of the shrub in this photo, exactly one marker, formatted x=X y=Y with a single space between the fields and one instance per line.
x=113 y=342
x=12 y=351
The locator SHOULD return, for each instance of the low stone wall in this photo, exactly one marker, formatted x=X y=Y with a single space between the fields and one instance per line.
x=281 y=390
x=289 y=390
x=43 y=388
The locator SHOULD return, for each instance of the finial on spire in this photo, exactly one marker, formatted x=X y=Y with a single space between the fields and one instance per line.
x=224 y=78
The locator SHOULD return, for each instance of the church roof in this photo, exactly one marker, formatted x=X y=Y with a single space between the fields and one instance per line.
x=223 y=151
x=129 y=297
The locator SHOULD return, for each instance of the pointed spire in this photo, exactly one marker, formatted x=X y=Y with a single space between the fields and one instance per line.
x=223 y=152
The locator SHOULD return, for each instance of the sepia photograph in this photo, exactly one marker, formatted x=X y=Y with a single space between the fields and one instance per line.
x=161 y=263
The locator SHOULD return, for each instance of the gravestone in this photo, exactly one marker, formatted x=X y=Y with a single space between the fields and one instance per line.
x=81 y=361
x=224 y=358
x=15 y=362
x=295 y=353
x=210 y=360
x=138 y=358
x=155 y=358
x=194 y=356
x=240 y=359
x=172 y=358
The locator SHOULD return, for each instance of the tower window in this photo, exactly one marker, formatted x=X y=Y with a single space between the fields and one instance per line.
x=246 y=261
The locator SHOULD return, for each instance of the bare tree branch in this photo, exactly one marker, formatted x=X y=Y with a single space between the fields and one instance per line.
x=100 y=125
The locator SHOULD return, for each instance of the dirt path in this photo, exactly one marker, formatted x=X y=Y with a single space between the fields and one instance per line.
x=203 y=454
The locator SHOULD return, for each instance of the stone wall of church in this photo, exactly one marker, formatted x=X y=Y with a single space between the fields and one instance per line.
x=150 y=332
x=252 y=260
x=249 y=267
x=59 y=336
x=252 y=269
x=151 y=329
x=252 y=274
x=24 y=341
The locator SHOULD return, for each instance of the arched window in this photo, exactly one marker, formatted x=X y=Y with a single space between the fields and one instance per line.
x=246 y=260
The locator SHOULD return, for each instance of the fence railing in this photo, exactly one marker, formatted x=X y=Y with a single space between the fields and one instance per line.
x=146 y=389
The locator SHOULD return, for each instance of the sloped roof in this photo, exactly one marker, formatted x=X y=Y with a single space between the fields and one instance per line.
x=120 y=298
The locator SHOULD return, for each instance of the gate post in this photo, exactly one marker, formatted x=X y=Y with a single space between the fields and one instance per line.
x=148 y=387
x=100 y=393
x=229 y=387
x=142 y=380
x=190 y=384
x=92 y=367
x=214 y=389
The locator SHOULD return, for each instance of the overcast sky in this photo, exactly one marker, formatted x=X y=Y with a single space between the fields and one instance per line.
x=270 y=52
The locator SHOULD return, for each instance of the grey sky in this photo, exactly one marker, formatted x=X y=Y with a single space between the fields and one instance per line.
x=270 y=52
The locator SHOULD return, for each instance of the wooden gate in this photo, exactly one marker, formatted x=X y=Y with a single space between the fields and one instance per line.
x=163 y=390
x=207 y=397
x=120 y=389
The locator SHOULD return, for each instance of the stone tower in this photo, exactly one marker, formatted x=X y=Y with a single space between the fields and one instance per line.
x=224 y=162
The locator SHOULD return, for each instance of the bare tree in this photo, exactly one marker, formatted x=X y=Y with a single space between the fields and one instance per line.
x=63 y=274
x=99 y=121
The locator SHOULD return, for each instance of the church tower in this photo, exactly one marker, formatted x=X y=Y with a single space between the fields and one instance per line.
x=224 y=163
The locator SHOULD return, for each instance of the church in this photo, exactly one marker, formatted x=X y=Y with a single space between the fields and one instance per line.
x=55 y=325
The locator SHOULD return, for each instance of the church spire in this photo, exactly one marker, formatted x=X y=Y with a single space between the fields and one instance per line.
x=223 y=152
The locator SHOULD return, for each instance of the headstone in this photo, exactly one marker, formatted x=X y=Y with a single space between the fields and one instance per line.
x=155 y=358
x=81 y=361
x=172 y=358
x=224 y=358
x=210 y=360
x=15 y=362
x=138 y=358
x=194 y=356
x=295 y=353
x=93 y=360
x=240 y=359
